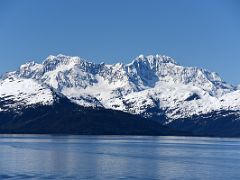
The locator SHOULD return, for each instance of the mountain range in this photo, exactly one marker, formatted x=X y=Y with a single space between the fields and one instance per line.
x=152 y=95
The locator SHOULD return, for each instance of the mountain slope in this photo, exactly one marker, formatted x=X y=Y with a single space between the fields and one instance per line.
x=224 y=123
x=147 y=82
x=16 y=93
x=65 y=117
x=28 y=106
x=154 y=87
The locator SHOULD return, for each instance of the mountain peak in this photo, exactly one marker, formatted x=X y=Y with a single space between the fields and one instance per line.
x=52 y=62
x=60 y=58
x=155 y=59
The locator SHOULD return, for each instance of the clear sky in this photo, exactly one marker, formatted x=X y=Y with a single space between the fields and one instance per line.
x=202 y=33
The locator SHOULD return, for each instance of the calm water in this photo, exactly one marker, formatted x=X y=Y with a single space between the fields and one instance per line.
x=117 y=157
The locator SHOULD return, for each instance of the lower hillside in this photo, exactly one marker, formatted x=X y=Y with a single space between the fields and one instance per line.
x=216 y=124
x=65 y=117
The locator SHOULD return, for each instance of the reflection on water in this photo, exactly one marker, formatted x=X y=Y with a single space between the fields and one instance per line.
x=118 y=157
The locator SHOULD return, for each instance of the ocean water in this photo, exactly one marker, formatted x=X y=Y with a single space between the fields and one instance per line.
x=118 y=157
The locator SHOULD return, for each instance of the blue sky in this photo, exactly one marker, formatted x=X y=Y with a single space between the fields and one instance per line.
x=202 y=33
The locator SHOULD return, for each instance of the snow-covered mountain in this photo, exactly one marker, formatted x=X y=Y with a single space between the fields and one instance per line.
x=16 y=93
x=149 y=86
